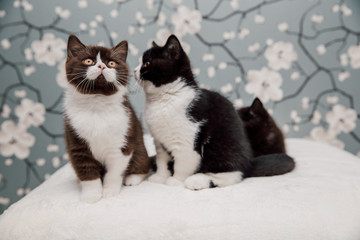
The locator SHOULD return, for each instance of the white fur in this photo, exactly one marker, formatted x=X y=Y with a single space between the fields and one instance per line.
x=135 y=179
x=91 y=191
x=93 y=72
x=103 y=122
x=201 y=181
x=165 y=114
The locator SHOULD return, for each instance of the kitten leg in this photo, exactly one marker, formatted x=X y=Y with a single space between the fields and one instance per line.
x=186 y=162
x=162 y=159
x=116 y=165
x=208 y=180
x=135 y=179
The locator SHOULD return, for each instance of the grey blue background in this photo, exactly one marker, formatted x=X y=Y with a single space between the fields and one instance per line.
x=23 y=22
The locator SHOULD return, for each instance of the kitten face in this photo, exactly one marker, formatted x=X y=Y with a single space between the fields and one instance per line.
x=255 y=115
x=96 y=70
x=163 y=65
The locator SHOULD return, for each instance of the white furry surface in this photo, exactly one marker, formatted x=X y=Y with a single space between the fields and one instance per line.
x=320 y=200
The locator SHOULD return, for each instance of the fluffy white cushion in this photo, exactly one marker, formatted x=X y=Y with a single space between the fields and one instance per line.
x=319 y=200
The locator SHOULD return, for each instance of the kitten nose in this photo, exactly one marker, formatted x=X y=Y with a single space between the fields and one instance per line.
x=101 y=67
x=134 y=70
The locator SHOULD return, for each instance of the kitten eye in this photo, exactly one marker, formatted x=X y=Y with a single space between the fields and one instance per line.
x=145 y=65
x=112 y=64
x=88 y=62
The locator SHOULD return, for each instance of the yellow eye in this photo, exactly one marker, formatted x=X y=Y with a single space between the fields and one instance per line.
x=88 y=62
x=112 y=64
x=146 y=64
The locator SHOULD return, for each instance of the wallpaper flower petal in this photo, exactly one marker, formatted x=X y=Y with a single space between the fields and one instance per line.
x=300 y=57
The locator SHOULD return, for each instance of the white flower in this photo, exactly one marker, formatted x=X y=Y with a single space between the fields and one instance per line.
x=20 y=93
x=295 y=76
x=253 y=47
x=27 y=6
x=82 y=4
x=93 y=24
x=161 y=37
x=286 y=128
x=28 y=54
x=344 y=59
x=150 y=4
x=114 y=13
x=186 y=21
x=133 y=50
x=329 y=137
x=6 y=110
x=8 y=162
x=317 y=18
x=101 y=44
x=49 y=49
x=259 y=19
x=321 y=49
x=5 y=43
x=343 y=76
x=238 y=79
x=269 y=42
x=226 y=88
x=345 y=10
x=30 y=113
x=332 y=99
x=283 y=26
x=55 y=162
x=211 y=72
x=280 y=55
x=336 y=8
x=14 y=140
x=4 y=201
x=16 y=4
x=243 y=33
x=234 y=4
x=62 y=13
x=141 y=30
x=354 y=54
x=177 y=2
x=207 y=57
x=222 y=65
x=99 y=18
x=294 y=116
x=229 y=35
x=305 y=102
x=108 y=2
x=296 y=128
x=238 y=103
x=2 y=13
x=196 y=71
x=40 y=162
x=52 y=148
x=161 y=19
x=29 y=70
x=131 y=30
x=113 y=35
x=61 y=79
x=203 y=86
x=20 y=192
x=341 y=119
x=140 y=18
x=83 y=26
x=264 y=84
x=92 y=32
x=316 y=117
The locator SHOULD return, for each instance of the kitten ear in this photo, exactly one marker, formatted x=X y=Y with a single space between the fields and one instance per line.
x=154 y=44
x=120 y=51
x=74 y=46
x=257 y=106
x=173 y=46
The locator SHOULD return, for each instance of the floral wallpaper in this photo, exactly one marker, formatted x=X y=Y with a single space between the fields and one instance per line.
x=300 y=57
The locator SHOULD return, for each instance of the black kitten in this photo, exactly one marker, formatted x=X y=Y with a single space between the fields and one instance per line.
x=200 y=129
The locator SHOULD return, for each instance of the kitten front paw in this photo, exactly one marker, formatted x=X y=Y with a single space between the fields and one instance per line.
x=171 y=181
x=157 y=178
x=90 y=196
x=134 y=179
x=110 y=192
x=197 y=182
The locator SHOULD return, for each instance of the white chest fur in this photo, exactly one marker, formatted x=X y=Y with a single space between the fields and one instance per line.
x=101 y=120
x=165 y=114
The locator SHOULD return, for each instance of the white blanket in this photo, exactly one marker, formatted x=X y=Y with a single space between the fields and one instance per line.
x=319 y=200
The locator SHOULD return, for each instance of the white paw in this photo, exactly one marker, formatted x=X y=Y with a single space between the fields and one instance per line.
x=171 y=181
x=110 y=192
x=156 y=178
x=134 y=179
x=90 y=196
x=197 y=182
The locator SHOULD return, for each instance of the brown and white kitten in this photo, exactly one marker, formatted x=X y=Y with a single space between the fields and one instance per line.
x=264 y=135
x=103 y=135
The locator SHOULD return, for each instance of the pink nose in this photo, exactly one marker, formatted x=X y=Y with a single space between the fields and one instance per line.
x=101 y=67
x=134 y=70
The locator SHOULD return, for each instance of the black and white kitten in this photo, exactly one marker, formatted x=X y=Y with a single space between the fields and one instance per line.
x=199 y=129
